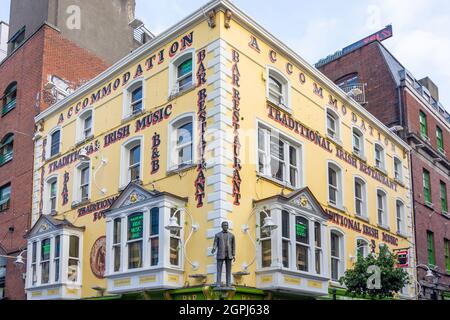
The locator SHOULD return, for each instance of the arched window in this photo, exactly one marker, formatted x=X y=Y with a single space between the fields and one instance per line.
x=400 y=216
x=380 y=158
x=182 y=73
x=333 y=125
x=362 y=248
x=55 y=143
x=337 y=255
x=85 y=126
x=278 y=89
x=382 y=208
x=181 y=142
x=360 y=198
x=6 y=149
x=335 y=187
x=5 y=196
x=358 y=142
x=133 y=99
x=9 y=98
x=398 y=169
x=131 y=162
x=51 y=195
x=82 y=188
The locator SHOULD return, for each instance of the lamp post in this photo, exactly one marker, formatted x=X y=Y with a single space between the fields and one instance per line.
x=173 y=226
x=428 y=276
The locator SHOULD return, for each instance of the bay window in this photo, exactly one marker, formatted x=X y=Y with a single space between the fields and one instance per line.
x=302 y=243
x=54 y=260
x=279 y=157
x=138 y=245
x=266 y=244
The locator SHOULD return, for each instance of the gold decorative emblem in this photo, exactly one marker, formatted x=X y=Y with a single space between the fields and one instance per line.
x=304 y=201
x=133 y=198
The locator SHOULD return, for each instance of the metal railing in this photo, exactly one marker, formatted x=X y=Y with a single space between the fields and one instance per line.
x=5 y=158
x=356 y=91
x=4 y=205
x=8 y=107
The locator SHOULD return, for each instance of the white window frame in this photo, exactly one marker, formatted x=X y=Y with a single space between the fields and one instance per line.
x=49 y=142
x=365 y=249
x=173 y=71
x=385 y=216
x=47 y=194
x=165 y=208
x=276 y=240
x=340 y=185
x=127 y=111
x=268 y=133
x=382 y=161
x=342 y=254
x=63 y=259
x=125 y=178
x=361 y=153
x=336 y=136
x=77 y=194
x=400 y=220
x=286 y=88
x=398 y=175
x=364 y=200
x=172 y=160
x=81 y=136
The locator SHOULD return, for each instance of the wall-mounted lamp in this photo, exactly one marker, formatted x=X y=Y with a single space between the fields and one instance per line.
x=173 y=226
x=19 y=260
x=102 y=164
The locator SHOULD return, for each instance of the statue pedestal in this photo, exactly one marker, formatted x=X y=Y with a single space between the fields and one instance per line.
x=225 y=293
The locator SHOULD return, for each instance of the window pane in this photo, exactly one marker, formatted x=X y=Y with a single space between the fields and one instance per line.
x=302 y=258
x=185 y=68
x=45 y=274
x=275 y=85
x=135 y=255
x=317 y=235
x=318 y=260
x=277 y=169
x=74 y=249
x=335 y=250
x=264 y=233
x=174 y=251
x=285 y=222
x=135 y=226
x=154 y=222
x=185 y=134
x=45 y=250
x=54 y=149
x=117 y=257
x=117 y=230
x=266 y=247
x=285 y=253
x=301 y=230
x=136 y=95
x=72 y=271
x=154 y=251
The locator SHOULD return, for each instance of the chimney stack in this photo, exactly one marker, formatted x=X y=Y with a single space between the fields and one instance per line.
x=429 y=84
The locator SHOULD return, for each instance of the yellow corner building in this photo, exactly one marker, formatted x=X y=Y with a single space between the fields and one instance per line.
x=213 y=120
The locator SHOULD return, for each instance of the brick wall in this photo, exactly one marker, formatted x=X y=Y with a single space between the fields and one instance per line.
x=371 y=67
x=46 y=53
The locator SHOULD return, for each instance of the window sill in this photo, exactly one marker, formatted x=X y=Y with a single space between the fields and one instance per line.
x=275 y=181
x=360 y=157
x=279 y=105
x=402 y=235
x=429 y=205
x=180 y=93
x=365 y=219
x=4 y=114
x=382 y=170
x=54 y=157
x=86 y=140
x=336 y=207
x=386 y=228
x=129 y=117
x=400 y=182
x=178 y=171
x=446 y=215
x=77 y=204
x=335 y=140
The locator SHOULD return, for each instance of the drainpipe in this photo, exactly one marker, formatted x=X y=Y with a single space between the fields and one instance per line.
x=413 y=225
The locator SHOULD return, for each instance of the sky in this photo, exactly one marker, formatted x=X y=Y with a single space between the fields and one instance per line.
x=315 y=29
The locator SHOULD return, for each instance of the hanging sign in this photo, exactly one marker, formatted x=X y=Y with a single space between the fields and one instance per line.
x=237 y=167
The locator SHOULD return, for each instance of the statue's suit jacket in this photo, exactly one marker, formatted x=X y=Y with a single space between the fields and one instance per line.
x=219 y=245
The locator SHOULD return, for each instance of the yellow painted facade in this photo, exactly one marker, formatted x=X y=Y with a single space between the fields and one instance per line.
x=221 y=45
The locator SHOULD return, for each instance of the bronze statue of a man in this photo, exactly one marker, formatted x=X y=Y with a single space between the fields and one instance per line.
x=224 y=244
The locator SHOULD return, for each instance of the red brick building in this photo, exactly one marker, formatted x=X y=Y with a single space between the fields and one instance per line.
x=46 y=61
x=376 y=79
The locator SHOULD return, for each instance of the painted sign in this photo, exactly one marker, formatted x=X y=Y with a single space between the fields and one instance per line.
x=98 y=209
x=98 y=258
x=381 y=35
x=156 y=59
x=65 y=192
x=136 y=226
x=200 y=182
x=156 y=143
x=237 y=167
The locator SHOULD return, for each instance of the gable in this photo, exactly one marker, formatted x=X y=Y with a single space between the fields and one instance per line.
x=132 y=195
x=306 y=201
x=43 y=225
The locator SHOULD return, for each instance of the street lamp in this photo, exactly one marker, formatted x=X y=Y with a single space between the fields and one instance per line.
x=173 y=226
x=18 y=261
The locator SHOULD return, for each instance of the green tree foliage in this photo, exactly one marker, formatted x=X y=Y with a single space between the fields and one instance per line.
x=393 y=279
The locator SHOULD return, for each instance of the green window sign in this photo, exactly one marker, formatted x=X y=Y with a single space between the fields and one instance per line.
x=300 y=230
x=135 y=226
